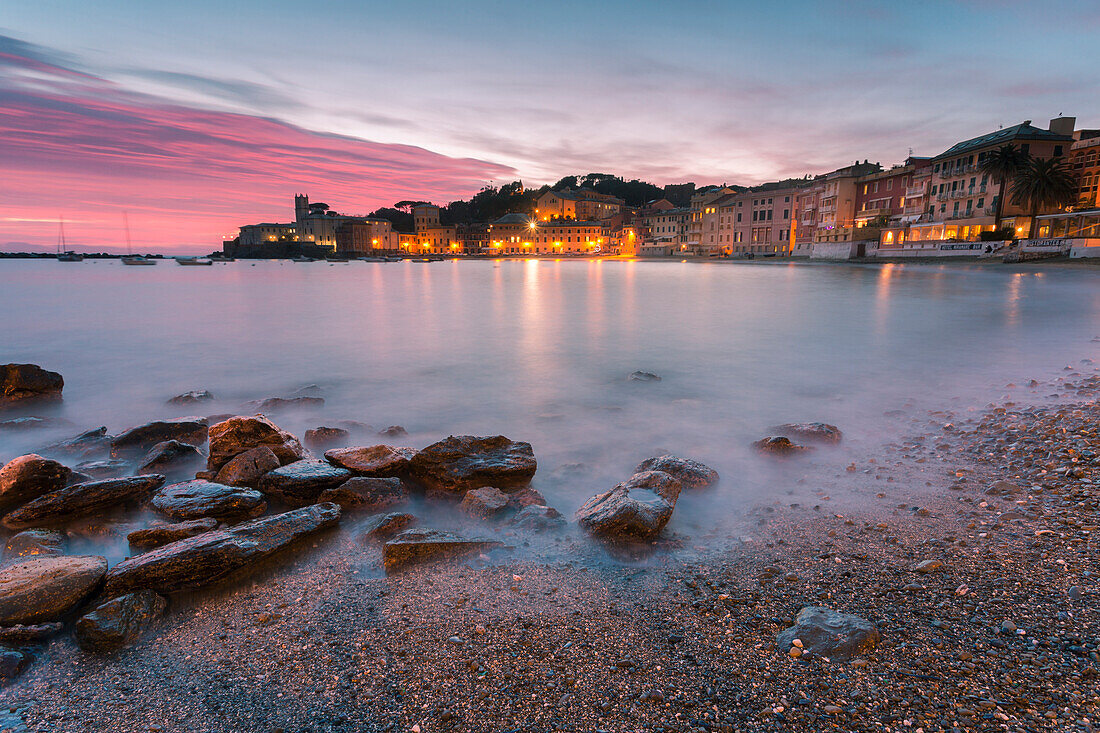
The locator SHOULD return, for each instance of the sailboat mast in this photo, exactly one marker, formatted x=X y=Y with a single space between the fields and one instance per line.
x=126 y=223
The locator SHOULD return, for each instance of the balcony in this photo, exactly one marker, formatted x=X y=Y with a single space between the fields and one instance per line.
x=915 y=192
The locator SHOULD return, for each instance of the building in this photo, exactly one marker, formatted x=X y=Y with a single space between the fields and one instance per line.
x=1084 y=163
x=518 y=234
x=882 y=196
x=757 y=221
x=662 y=232
x=359 y=237
x=702 y=236
x=432 y=237
x=582 y=205
x=962 y=201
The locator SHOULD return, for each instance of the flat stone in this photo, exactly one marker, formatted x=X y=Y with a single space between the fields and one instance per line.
x=326 y=437
x=419 y=546
x=375 y=460
x=35 y=542
x=827 y=633
x=929 y=566
x=644 y=377
x=236 y=435
x=538 y=518
x=462 y=462
x=22 y=424
x=638 y=508
x=21 y=383
x=12 y=662
x=193 y=397
x=82 y=500
x=22 y=634
x=119 y=622
x=692 y=474
x=367 y=493
x=813 y=432
x=484 y=503
x=162 y=534
x=779 y=446
x=275 y=404
x=249 y=467
x=29 y=477
x=107 y=468
x=302 y=482
x=393 y=431
x=199 y=498
x=1004 y=488
x=385 y=526
x=207 y=558
x=88 y=443
x=191 y=430
x=47 y=588
x=171 y=458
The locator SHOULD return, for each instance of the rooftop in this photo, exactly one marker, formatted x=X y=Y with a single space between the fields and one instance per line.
x=1023 y=131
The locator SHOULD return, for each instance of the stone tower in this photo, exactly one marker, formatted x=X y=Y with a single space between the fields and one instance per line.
x=301 y=206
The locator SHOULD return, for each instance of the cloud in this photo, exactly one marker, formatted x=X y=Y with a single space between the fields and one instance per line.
x=77 y=146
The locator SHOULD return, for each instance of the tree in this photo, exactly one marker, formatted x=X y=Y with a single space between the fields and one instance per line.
x=1043 y=184
x=1002 y=165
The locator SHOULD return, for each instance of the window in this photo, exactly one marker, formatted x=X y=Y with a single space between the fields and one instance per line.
x=1057 y=151
x=889 y=183
x=786 y=213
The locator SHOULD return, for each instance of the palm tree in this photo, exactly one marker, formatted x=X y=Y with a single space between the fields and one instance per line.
x=1043 y=184
x=1002 y=165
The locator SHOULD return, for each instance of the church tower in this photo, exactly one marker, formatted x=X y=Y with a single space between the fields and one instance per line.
x=301 y=206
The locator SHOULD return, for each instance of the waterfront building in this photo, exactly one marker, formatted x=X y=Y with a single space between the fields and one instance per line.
x=432 y=237
x=260 y=235
x=366 y=236
x=882 y=196
x=703 y=220
x=826 y=208
x=582 y=204
x=662 y=231
x=757 y=221
x=1084 y=164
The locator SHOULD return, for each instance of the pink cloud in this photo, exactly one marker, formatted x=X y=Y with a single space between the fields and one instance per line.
x=75 y=146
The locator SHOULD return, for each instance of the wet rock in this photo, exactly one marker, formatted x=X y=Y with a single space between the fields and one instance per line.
x=393 y=431
x=21 y=424
x=82 y=500
x=119 y=622
x=385 y=526
x=236 y=435
x=827 y=633
x=526 y=497
x=191 y=430
x=172 y=458
x=275 y=404
x=375 y=460
x=88 y=443
x=638 y=508
x=24 y=383
x=22 y=634
x=193 y=397
x=249 y=467
x=199 y=498
x=35 y=542
x=463 y=462
x=29 y=477
x=929 y=566
x=538 y=518
x=812 y=432
x=484 y=503
x=1004 y=488
x=202 y=560
x=12 y=662
x=367 y=493
x=302 y=482
x=107 y=468
x=419 y=546
x=779 y=446
x=326 y=437
x=644 y=377
x=162 y=534
x=47 y=588
x=692 y=474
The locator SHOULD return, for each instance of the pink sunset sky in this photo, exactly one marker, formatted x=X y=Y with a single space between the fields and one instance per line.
x=195 y=118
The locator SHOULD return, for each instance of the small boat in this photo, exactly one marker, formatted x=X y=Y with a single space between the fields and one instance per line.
x=392 y=259
x=193 y=261
x=131 y=258
x=371 y=259
x=302 y=258
x=65 y=255
x=337 y=259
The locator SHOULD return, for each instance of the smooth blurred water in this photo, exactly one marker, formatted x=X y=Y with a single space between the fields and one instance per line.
x=541 y=350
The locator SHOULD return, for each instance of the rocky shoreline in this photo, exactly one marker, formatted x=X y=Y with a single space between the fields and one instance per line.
x=947 y=583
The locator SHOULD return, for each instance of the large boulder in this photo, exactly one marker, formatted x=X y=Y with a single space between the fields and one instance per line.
x=172 y=458
x=487 y=502
x=638 y=508
x=190 y=430
x=88 y=443
x=230 y=438
x=82 y=500
x=828 y=633
x=202 y=560
x=418 y=546
x=29 y=477
x=302 y=482
x=119 y=622
x=162 y=534
x=692 y=474
x=326 y=437
x=376 y=460
x=249 y=467
x=813 y=432
x=198 y=498
x=462 y=462
x=28 y=383
x=47 y=588
x=367 y=493
x=35 y=543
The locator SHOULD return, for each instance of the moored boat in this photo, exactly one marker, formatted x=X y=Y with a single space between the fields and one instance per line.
x=193 y=261
x=65 y=255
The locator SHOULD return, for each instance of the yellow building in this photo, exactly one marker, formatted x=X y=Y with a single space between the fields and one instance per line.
x=582 y=205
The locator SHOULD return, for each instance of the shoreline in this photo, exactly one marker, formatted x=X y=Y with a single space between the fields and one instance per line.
x=682 y=638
